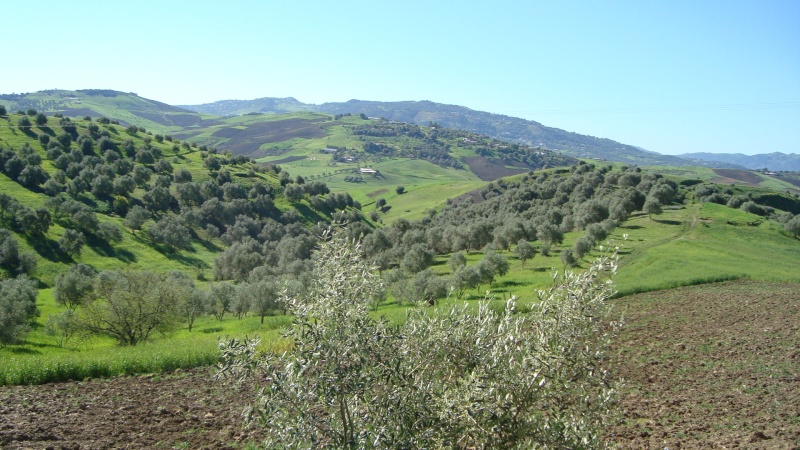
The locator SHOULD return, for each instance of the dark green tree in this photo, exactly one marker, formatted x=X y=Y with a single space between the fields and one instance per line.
x=17 y=308
x=137 y=216
x=652 y=206
x=132 y=305
x=76 y=286
x=170 y=232
x=71 y=242
x=524 y=251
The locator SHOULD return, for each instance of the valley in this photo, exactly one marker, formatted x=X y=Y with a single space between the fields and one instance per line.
x=108 y=195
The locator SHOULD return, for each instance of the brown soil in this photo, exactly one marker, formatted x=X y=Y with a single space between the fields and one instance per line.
x=287 y=160
x=712 y=366
x=730 y=176
x=491 y=169
x=377 y=193
x=248 y=140
x=186 y=409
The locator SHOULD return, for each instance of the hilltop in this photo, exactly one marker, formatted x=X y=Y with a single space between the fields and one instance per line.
x=775 y=161
x=130 y=109
x=496 y=126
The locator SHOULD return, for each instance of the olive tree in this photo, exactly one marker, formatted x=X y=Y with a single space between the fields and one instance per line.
x=71 y=242
x=62 y=327
x=75 y=287
x=460 y=378
x=136 y=217
x=793 y=226
x=261 y=295
x=130 y=306
x=524 y=251
x=17 y=308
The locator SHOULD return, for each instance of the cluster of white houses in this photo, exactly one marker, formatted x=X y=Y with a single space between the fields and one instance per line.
x=361 y=170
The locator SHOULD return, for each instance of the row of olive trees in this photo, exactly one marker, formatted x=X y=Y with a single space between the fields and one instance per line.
x=130 y=306
x=460 y=378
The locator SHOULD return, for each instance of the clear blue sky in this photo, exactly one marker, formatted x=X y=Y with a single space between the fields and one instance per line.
x=669 y=76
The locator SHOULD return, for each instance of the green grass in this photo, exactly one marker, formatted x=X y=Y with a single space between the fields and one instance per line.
x=41 y=360
x=427 y=185
x=703 y=244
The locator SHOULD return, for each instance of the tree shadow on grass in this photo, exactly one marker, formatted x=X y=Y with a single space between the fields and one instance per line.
x=668 y=222
x=23 y=350
x=47 y=249
x=103 y=249
x=508 y=283
x=182 y=258
x=631 y=227
x=211 y=330
x=210 y=246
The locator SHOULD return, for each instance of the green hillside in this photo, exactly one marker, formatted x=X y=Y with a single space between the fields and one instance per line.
x=126 y=108
x=83 y=176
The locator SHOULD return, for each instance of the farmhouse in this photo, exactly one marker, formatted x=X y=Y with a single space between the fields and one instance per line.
x=364 y=170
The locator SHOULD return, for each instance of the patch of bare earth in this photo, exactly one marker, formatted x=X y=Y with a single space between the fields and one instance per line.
x=185 y=409
x=730 y=176
x=244 y=141
x=377 y=193
x=711 y=366
x=491 y=169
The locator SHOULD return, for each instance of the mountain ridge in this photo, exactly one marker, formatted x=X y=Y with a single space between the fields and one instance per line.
x=773 y=161
x=497 y=126
x=131 y=109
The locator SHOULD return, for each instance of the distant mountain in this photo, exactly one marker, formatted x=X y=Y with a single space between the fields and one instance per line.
x=497 y=126
x=773 y=161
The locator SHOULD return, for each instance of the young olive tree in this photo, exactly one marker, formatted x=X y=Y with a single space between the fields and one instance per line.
x=461 y=378
x=131 y=305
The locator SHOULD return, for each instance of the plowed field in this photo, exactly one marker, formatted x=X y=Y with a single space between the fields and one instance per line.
x=712 y=366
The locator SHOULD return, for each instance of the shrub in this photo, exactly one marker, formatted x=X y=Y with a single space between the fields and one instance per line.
x=464 y=378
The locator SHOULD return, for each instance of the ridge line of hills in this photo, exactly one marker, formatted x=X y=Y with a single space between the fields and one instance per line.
x=505 y=128
x=129 y=108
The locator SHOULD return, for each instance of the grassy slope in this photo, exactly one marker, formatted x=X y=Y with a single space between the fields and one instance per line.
x=427 y=185
x=708 y=175
x=134 y=250
x=699 y=243
x=705 y=243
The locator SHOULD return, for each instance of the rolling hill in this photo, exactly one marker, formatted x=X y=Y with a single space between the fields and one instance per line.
x=775 y=161
x=497 y=126
x=130 y=109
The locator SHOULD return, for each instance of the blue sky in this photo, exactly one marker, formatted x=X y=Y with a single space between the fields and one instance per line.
x=669 y=76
